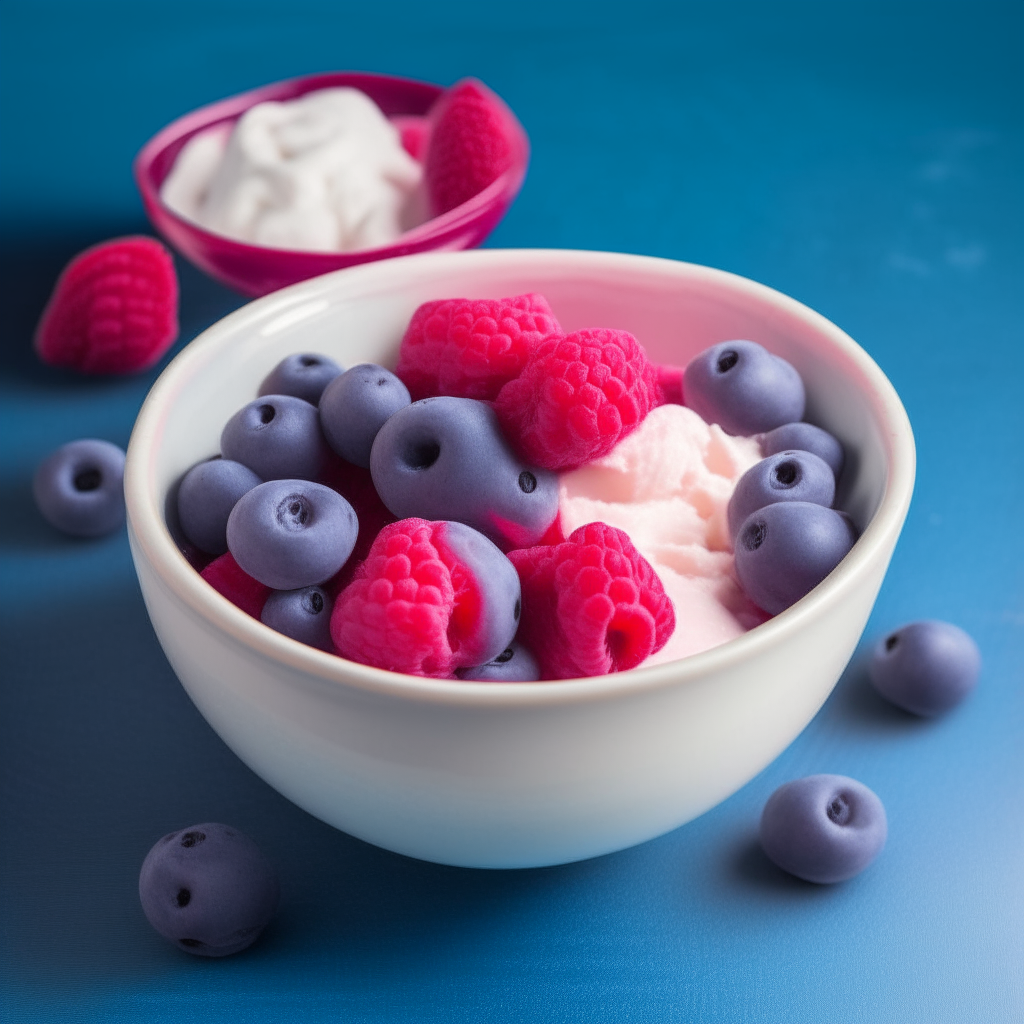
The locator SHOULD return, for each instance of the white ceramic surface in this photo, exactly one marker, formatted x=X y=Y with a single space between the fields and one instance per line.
x=512 y=775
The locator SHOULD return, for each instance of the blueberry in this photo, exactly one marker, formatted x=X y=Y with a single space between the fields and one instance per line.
x=356 y=405
x=291 y=533
x=446 y=458
x=783 y=551
x=487 y=610
x=303 y=375
x=278 y=437
x=515 y=664
x=743 y=388
x=787 y=476
x=304 y=615
x=925 y=667
x=824 y=828
x=805 y=437
x=208 y=889
x=206 y=496
x=80 y=488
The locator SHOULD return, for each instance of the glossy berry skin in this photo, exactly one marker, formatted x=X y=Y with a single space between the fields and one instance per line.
x=783 y=551
x=208 y=889
x=355 y=405
x=304 y=615
x=302 y=375
x=805 y=437
x=278 y=437
x=289 y=534
x=79 y=488
x=446 y=458
x=786 y=476
x=823 y=828
x=743 y=388
x=925 y=667
x=515 y=664
x=207 y=494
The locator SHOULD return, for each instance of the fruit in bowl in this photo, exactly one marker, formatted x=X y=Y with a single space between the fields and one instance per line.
x=257 y=210
x=486 y=773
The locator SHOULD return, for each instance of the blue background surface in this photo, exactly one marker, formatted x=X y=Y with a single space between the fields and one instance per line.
x=867 y=159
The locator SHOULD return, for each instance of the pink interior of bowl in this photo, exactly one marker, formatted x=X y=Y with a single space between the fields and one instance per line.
x=256 y=270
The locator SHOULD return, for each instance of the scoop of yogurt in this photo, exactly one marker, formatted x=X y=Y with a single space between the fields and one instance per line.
x=322 y=173
x=667 y=486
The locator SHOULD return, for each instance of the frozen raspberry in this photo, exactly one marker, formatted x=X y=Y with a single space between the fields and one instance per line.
x=430 y=597
x=591 y=605
x=467 y=348
x=113 y=310
x=228 y=578
x=577 y=397
x=471 y=144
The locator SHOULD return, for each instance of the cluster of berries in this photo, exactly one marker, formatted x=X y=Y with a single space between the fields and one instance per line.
x=421 y=535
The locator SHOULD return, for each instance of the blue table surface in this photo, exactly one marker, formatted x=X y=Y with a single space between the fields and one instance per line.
x=865 y=158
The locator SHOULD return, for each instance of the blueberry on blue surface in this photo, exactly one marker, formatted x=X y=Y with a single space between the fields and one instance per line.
x=304 y=615
x=823 y=828
x=303 y=375
x=278 y=437
x=783 y=551
x=356 y=405
x=206 y=496
x=925 y=667
x=208 y=889
x=743 y=388
x=79 y=488
x=495 y=594
x=290 y=534
x=446 y=458
x=805 y=437
x=515 y=664
x=786 y=476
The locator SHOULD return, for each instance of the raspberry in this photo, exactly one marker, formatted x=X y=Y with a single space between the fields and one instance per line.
x=466 y=348
x=228 y=578
x=591 y=605
x=471 y=144
x=577 y=397
x=407 y=604
x=114 y=309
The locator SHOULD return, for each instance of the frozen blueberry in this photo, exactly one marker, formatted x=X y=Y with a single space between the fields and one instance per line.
x=805 y=437
x=515 y=664
x=80 y=488
x=304 y=615
x=783 y=551
x=743 y=388
x=356 y=405
x=925 y=667
x=289 y=534
x=787 y=476
x=208 y=889
x=206 y=496
x=278 y=437
x=492 y=596
x=303 y=375
x=824 y=828
x=446 y=458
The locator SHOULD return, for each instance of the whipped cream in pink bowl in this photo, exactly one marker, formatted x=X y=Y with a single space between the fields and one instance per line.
x=512 y=775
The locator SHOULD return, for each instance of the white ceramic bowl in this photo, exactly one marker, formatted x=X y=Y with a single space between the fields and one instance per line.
x=512 y=775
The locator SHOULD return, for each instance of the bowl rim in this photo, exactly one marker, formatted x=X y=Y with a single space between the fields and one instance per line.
x=230 y=108
x=148 y=529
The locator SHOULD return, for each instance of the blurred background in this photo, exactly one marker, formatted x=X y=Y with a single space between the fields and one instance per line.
x=865 y=158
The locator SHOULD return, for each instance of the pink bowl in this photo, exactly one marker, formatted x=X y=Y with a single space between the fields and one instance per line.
x=256 y=270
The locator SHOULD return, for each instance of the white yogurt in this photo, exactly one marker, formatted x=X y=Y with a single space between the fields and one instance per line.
x=322 y=173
